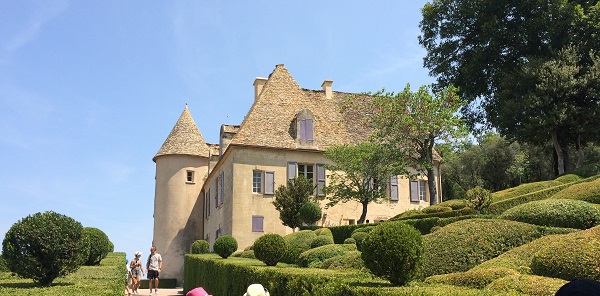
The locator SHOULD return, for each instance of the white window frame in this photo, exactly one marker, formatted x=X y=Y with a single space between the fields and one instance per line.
x=257 y=189
x=189 y=177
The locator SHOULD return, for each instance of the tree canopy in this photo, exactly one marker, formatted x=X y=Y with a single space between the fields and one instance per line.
x=511 y=58
x=289 y=199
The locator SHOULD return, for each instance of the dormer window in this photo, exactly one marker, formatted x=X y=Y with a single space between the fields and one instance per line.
x=305 y=122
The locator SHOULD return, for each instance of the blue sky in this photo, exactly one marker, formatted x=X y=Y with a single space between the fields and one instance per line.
x=89 y=90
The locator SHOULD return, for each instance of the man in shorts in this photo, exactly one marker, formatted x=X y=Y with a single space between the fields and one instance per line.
x=154 y=265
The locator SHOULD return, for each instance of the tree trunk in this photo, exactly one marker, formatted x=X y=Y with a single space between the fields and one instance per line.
x=580 y=154
x=559 y=152
x=363 y=216
x=432 y=188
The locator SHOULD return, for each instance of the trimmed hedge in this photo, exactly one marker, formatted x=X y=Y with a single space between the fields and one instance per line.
x=225 y=245
x=475 y=278
x=321 y=240
x=587 y=170
x=421 y=215
x=393 y=251
x=298 y=242
x=523 y=189
x=100 y=245
x=568 y=178
x=200 y=247
x=350 y=260
x=358 y=238
x=426 y=225
x=436 y=209
x=464 y=244
x=455 y=204
x=350 y=241
x=498 y=207
x=578 y=256
x=323 y=232
x=565 y=213
x=527 y=284
x=314 y=257
x=587 y=191
x=270 y=248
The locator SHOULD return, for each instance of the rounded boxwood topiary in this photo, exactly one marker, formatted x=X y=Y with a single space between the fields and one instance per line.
x=574 y=255
x=473 y=241
x=358 y=238
x=225 y=245
x=298 y=242
x=393 y=251
x=568 y=178
x=436 y=209
x=44 y=246
x=310 y=213
x=200 y=247
x=321 y=240
x=270 y=248
x=315 y=257
x=350 y=241
x=99 y=244
x=323 y=231
x=366 y=229
x=564 y=213
x=586 y=191
x=350 y=260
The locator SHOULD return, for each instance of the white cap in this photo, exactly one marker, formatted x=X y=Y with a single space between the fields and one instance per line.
x=256 y=290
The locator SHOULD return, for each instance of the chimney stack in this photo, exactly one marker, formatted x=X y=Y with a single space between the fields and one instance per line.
x=259 y=82
x=327 y=88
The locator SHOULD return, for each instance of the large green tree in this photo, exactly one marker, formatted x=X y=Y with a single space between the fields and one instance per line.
x=413 y=122
x=289 y=199
x=361 y=173
x=489 y=47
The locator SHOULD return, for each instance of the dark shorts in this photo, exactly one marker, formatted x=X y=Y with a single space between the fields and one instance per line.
x=152 y=274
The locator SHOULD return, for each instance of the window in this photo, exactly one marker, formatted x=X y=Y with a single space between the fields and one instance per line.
x=306 y=170
x=257 y=223
x=257 y=182
x=189 y=178
x=422 y=190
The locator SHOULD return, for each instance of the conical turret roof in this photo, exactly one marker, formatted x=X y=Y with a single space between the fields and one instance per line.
x=184 y=139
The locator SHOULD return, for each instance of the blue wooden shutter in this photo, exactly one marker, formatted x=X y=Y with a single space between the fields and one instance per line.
x=222 y=187
x=320 y=179
x=257 y=223
x=394 y=188
x=292 y=170
x=414 y=190
x=269 y=182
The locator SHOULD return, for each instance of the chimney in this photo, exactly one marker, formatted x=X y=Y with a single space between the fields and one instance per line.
x=259 y=82
x=327 y=88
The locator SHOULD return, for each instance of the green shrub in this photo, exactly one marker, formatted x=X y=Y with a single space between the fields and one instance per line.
x=568 y=178
x=350 y=260
x=574 y=255
x=200 y=247
x=342 y=232
x=478 y=199
x=358 y=238
x=587 y=170
x=44 y=246
x=366 y=229
x=350 y=241
x=523 y=189
x=248 y=254
x=498 y=207
x=225 y=245
x=310 y=212
x=454 y=204
x=270 y=248
x=314 y=257
x=464 y=244
x=420 y=215
x=474 y=278
x=586 y=191
x=100 y=245
x=425 y=225
x=298 y=242
x=321 y=240
x=436 y=209
x=323 y=231
x=3 y=266
x=556 y=212
x=524 y=284
x=393 y=251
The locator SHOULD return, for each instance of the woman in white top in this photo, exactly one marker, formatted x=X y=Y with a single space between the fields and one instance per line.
x=137 y=271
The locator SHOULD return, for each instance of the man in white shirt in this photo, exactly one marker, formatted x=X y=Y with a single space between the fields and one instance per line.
x=154 y=265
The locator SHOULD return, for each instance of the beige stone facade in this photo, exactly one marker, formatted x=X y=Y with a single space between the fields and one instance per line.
x=284 y=134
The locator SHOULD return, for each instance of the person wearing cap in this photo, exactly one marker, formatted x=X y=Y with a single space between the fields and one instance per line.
x=137 y=271
x=256 y=290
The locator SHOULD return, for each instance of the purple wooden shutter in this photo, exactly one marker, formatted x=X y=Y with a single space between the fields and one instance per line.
x=303 y=130
x=414 y=190
x=394 y=188
x=217 y=192
x=208 y=197
x=257 y=223
x=222 y=187
x=292 y=170
x=320 y=179
x=269 y=182
x=308 y=126
x=206 y=205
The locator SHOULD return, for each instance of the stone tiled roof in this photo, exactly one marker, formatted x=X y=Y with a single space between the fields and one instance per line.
x=184 y=139
x=271 y=119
